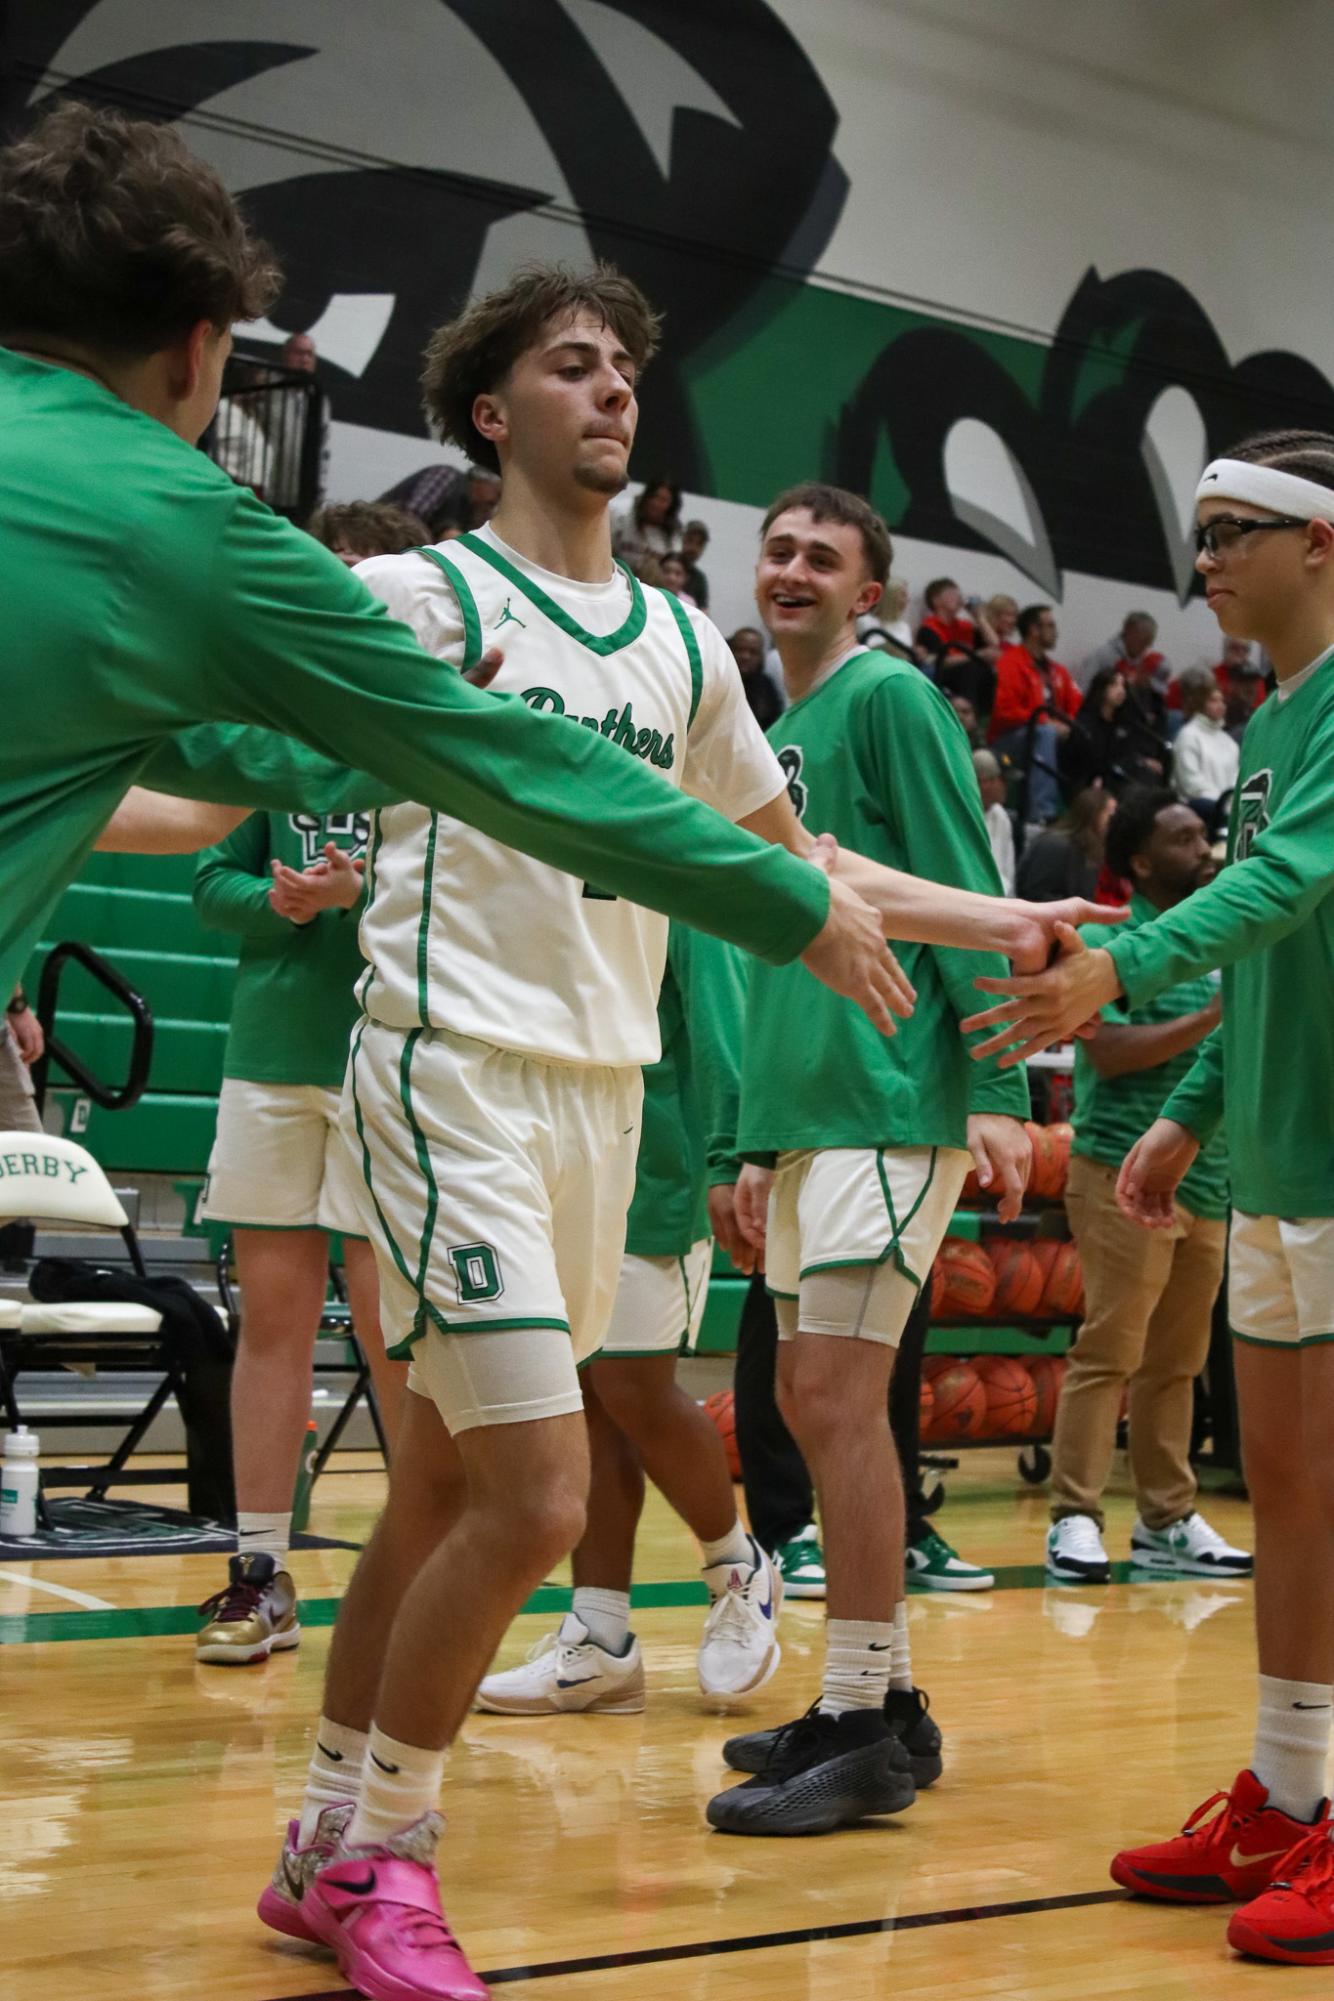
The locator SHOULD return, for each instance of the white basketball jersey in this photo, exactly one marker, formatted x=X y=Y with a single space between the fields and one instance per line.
x=463 y=933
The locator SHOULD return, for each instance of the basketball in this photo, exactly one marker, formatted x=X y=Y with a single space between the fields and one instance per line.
x=721 y=1408
x=1044 y=1372
x=960 y=1403
x=1047 y=1175
x=926 y=1405
x=1019 y=1277
x=1011 y=1398
x=1061 y=1137
x=970 y=1280
x=1044 y=1250
x=1064 y=1291
x=937 y=1289
x=936 y=1365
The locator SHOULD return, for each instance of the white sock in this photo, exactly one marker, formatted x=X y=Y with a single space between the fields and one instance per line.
x=734 y=1551
x=399 y=1783
x=334 y=1776
x=856 y=1670
x=264 y=1535
x=900 y=1659
x=1292 y=1743
x=606 y=1614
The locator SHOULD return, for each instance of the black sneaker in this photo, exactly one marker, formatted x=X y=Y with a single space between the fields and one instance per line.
x=822 y=1772
x=906 y=1714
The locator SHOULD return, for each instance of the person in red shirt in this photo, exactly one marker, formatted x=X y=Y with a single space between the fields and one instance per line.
x=1036 y=702
x=957 y=649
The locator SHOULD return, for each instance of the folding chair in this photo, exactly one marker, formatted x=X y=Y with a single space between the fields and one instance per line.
x=49 y=1180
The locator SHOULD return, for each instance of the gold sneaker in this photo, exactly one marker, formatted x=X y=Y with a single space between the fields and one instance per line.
x=254 y=1617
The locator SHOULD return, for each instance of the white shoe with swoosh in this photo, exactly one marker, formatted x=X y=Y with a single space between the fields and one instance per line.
x=568 y=1672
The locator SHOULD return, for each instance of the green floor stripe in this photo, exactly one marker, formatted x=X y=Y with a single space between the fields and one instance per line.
x=156 y=1621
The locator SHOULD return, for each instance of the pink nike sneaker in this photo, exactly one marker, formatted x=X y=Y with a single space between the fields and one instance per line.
x=379 y=1908
x=282 y=1904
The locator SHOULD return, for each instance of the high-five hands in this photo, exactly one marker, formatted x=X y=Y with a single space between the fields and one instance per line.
x=1045 y=1007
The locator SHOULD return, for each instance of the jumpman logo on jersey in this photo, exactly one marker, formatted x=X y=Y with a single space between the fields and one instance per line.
x=507 y=617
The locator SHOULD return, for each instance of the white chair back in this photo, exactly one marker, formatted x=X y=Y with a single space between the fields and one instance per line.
x=54 y=1180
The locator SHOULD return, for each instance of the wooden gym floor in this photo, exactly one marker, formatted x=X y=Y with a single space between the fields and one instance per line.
x=145 y=1796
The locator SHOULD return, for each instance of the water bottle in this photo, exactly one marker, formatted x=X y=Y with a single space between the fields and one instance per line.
x=19 y=1479
x=305 y=1477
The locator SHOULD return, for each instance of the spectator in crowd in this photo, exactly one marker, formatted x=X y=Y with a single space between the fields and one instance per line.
x=1150 y=1293
x=765 y=698
x=1244 y=682
x=957 y=647
x=21 y=1045
x=890 y=619
x=694 y=541
x=674 y=576
x=1036 y=702
x=1066 y=859
x=1108 y=743
x=1132 y=648
x=450 y=499
x=1206 y=757
x=1001 y=613
x=991 y=784
x=649 y=525
x=967 y=715
x=361 y=528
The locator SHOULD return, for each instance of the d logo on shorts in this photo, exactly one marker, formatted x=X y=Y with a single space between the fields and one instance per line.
x=477 y=1269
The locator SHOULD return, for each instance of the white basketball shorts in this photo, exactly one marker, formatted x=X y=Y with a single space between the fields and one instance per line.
x=280 y=1162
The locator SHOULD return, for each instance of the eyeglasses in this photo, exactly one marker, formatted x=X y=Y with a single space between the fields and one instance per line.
x=1226 y=530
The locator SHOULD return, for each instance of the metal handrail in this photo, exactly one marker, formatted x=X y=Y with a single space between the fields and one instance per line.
x=110 y=1097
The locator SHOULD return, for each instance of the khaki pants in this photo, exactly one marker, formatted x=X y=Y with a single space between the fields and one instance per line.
x=1149 y=1303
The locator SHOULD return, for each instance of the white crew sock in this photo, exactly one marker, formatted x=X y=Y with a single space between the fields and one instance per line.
x=606 y=1614
x=733 y=1551
x=1292 y=1743
x=334 y=1776
x=856 y=1671
x=399 y=1783
x=900 y=1659
x=264 y=1535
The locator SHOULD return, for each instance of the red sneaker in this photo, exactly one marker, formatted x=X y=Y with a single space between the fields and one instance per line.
x=1293 y=1920
x=1219 y=1860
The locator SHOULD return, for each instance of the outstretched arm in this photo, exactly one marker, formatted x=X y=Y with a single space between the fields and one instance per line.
x=152 y=823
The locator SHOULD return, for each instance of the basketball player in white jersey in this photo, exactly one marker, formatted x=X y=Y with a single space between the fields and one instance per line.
x=494 y=1089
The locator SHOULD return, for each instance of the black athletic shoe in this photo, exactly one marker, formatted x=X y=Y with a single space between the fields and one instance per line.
x=906 y=1714
x=823 y=1772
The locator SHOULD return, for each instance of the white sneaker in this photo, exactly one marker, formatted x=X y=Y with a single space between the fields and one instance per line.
x=740 y=1650
x=1075 y=1551
x=1190 y=1548
x=568 y=1671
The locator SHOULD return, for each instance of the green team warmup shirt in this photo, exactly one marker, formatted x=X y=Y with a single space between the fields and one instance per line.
x=294 y=1003
x=688 y=1141
x=1111 y=1113
x=876 y=756
x=146 y=595
x=1268 y=921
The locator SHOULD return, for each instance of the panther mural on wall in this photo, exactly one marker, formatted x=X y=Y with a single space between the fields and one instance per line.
x=696 y=147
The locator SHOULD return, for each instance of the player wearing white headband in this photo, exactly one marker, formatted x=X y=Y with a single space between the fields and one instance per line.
x=1265 y=530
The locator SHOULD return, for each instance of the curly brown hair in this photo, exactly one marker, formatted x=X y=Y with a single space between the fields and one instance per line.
x=368 y=528
x=113 y=234
x=471 y=355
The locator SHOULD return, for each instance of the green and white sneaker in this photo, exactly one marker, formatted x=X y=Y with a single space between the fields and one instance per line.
x=800 y=1564
x=933 y=1563
x=1189 y=1548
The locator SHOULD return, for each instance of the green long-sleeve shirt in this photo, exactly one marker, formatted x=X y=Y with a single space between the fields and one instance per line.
x=145 y=595
x=294 y=1001
x=1268 y=921
x=688 y=1140
x=876 y=756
